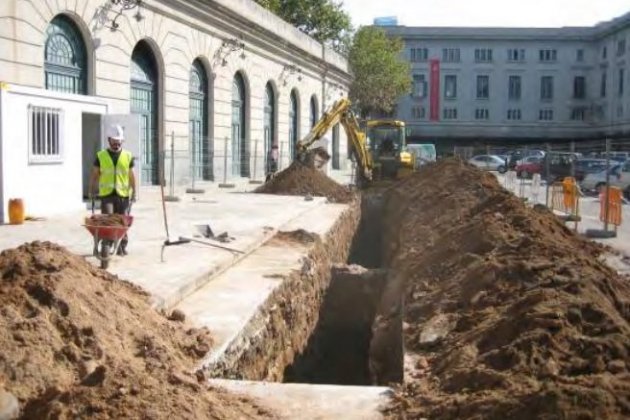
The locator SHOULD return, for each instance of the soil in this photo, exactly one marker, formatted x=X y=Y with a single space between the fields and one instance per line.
x=77 y=342
x=508 y=314
x=301 y=179
x=106 y=220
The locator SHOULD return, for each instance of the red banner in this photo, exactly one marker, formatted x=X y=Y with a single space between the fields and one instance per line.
x=434 y=95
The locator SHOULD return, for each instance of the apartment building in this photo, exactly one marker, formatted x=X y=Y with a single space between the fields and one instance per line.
x=517 y=84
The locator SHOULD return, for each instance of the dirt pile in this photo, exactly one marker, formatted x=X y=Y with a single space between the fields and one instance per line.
x=77 y=342
x=508 y=313
x=106 y=220
x=300 y=179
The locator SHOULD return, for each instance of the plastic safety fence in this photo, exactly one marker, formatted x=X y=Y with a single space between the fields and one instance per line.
x=612 y=214
x=565 y=198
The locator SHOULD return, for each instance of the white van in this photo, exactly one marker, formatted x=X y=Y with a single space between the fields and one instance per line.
x=423 y=153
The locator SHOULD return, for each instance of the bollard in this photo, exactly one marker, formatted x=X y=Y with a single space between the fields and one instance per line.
x=254 y=179
x=171 y=181
x=547 y=174
x=280 y=156
x=225 y=184
x=535 y=191
x=193 y=166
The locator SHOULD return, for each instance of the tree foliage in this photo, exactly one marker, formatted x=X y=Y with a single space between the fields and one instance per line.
x=324 y=20
x=380 y=73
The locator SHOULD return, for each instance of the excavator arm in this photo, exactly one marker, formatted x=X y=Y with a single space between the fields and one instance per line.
x=339 y=113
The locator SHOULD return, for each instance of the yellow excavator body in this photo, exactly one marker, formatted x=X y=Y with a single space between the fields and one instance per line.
x=380 y=153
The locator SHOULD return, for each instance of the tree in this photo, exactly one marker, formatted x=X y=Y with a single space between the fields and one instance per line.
x=380 y=73
x=324 y=20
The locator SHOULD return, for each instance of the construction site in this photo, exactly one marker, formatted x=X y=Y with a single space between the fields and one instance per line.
x=252 y=209
x=441 y=295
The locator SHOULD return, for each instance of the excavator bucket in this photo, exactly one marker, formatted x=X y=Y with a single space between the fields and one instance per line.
x=315 y=158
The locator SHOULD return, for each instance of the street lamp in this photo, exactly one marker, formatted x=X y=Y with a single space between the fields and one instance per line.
x=123 y=6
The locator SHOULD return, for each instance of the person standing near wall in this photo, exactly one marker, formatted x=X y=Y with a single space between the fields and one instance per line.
x=113 y=173
x=272 y=162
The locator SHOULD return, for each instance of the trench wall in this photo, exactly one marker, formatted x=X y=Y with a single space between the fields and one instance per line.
x=281 y=328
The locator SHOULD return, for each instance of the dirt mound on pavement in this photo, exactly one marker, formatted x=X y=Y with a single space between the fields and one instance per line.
x=77 y=342
x=300 y=179
x=508 y=313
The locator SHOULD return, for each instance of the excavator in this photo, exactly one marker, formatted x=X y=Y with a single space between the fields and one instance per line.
x=378 y=155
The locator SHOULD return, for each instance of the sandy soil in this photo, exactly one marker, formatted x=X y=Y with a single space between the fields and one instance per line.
x=77 y=342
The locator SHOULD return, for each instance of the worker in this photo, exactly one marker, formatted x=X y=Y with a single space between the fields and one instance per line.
x=272 y=162
x=113 y=171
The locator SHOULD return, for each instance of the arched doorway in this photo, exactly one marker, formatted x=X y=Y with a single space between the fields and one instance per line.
x=269 y=121
x=144 y=102
x=314 y=111
x=294 y=111
x=65 y=57
x=240 y=155
x=201 y=161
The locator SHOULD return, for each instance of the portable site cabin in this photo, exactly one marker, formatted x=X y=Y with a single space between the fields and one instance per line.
x=48 y=142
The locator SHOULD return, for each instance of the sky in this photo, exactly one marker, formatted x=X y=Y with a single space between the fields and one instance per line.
x=501 y=13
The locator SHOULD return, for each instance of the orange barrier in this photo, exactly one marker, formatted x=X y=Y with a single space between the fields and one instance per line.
x=565 y=198
x=614 y=205
x=570 y=194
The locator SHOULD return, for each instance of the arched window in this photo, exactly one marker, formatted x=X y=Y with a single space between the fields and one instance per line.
x=314 y=111
x=198 y=122
x=144 y=102
x=65 y=57
x=240 y=151
x=269 y=122
x=294 y=117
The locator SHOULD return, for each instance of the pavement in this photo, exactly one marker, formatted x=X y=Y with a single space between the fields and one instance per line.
x=314 y=402
x=251 y=219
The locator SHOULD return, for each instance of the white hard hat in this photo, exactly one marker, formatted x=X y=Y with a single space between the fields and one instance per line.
x=116 y=132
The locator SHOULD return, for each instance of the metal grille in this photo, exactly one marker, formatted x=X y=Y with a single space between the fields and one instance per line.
x=45 y=134
x=198 y=122
x=142 y=103
x=65 y=65
x=240 y=151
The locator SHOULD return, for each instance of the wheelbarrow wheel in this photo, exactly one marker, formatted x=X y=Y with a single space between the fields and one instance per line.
x=104 y=255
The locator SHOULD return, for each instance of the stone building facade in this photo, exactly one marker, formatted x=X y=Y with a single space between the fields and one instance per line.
x=222 y=80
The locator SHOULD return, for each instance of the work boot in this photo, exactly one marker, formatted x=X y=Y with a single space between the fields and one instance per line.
x=122 y=250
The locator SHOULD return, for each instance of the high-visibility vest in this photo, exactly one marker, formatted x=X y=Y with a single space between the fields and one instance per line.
x=114 y=178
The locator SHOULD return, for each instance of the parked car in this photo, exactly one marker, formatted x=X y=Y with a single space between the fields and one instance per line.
x=619 y=177
x=423 y=153
x=518 y=155
x=558 y=165
x=488 y=163
x=587 y=166
x=527 y=167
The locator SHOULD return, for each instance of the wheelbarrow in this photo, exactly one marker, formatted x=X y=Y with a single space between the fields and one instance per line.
x=107 y=239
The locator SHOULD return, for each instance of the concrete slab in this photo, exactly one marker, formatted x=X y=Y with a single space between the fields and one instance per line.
x=310 y=402
x=250 y=218
x=227 y=303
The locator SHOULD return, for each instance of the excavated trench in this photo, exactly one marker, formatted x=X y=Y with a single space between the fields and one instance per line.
x=337 y=320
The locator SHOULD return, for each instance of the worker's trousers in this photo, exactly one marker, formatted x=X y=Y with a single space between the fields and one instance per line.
x=119 y=205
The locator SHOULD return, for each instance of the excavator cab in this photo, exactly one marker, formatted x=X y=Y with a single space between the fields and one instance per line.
x=387 y=144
